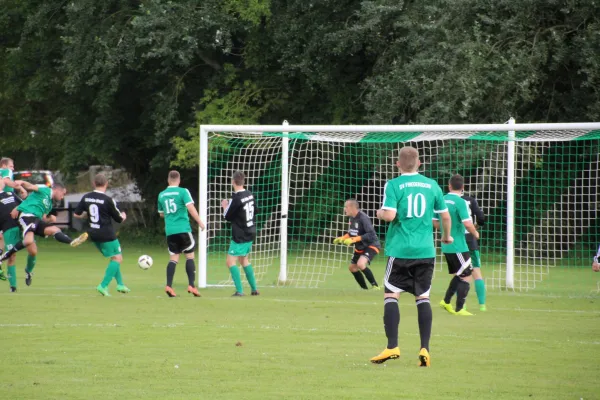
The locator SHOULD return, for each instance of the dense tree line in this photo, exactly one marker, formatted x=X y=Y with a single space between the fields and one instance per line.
x=126 y=82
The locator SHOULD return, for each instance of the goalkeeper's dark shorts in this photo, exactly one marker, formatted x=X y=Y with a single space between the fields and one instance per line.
x=459 y=264
x=369 y=253
x=409 y=275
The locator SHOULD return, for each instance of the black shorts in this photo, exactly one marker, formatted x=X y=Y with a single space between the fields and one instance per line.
x=459 y=264
x=181 y=243
x=409 y=275
x=33 y=224
x=370 y=253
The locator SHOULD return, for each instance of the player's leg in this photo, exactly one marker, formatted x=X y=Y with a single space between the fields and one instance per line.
x=479 y=282
x=60 y=236
x=454 y=282
x=422 y=271
x=111 y=250
x=464 y=285
x=2 y=245
x=353 y=268
x=12 y=237
x=235 y=251
x=363 y=264
x=190 y=269
x=174 y=245
x=395 y=282
x=249 y=272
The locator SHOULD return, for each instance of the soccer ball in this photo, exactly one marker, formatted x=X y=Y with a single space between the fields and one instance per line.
x=145 y=261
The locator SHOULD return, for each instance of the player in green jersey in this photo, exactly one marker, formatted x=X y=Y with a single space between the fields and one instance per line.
x=457 y=253
x=409 y=203
x=240 y=211
x=174 y=205
x=35 y=219
x=7 y=167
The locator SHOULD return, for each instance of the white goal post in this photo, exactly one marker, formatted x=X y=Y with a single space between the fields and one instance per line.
x=498 y=157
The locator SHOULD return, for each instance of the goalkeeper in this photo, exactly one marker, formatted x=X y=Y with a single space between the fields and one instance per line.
x=366 y=244
x=596 y=263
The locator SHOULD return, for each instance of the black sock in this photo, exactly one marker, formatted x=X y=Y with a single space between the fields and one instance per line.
x=425 y=321
x=369 y=275
x=391 y=320
x=461 y=295
x=61 y=237
x=451 y=289
x=360 y=279
x=190 y=268
x=16 y=247
x=171 y=272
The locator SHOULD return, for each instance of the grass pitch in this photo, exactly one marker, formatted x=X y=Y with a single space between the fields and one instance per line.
x=61 y=340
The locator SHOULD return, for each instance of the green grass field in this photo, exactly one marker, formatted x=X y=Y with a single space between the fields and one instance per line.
x=60 y=340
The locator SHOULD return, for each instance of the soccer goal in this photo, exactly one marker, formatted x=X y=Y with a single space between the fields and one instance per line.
x=536 y=183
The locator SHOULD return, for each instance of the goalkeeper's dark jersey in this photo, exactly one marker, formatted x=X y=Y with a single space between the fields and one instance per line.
x=361 y=226
x=101 y=209
x=8 y=201
x=478 y=218
x=240 y=212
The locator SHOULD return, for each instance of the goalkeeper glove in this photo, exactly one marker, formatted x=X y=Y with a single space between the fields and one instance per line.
x=351 y=241
x=339 y=240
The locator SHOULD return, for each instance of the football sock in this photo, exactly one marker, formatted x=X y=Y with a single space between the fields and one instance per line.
x=16 y=247
x=111 y=270
x=118 y=276
x=360 y=279
x=190 y=269
x=369 y=275
x=451 y=289
x=12 y=275
x=480 y=289
x=30 y=263
x=461 y=295
x=171 y=272
x=249 y=271
x=236 y=276
x=61 y=237
x=391 y=320
x=425 y=320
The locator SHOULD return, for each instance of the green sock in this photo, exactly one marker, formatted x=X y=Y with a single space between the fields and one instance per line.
x=12 y=275
x=237 y=278
x=118 y=276
x=480 y=289
x=30 y=263
x=249 y=271
x=110 y=273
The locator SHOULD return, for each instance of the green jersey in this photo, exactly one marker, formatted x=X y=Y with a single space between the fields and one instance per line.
x=172 y=203
x=459 y=213
x=37 y=203
x=415 y=198
x=7 y=173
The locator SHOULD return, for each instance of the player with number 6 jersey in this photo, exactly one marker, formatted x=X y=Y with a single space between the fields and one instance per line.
x=174 y=205
x=240 y=211
x=100 y=210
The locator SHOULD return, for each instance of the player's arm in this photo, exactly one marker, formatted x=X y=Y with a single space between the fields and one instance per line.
x=194 y=213
x=80 y=210
x=369 y=235
x=478 y=212
x=230 y=208
x=161 y=210
x=28 y=186
x=463 y=213
x=389 y=204
x=116 y=214
x=440 y=208
x=49 y=219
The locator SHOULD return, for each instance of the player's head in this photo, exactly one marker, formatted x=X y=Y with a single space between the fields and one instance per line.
x=7 y=163
x=456 y=183
x=100 y=181
x=351 y=207
x=238 y=179
x=409 y=160
x=58 y=191
x=174 y=178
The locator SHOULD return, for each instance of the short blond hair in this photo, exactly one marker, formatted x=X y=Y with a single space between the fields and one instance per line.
x=409 y=159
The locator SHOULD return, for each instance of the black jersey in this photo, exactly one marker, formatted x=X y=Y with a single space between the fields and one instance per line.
x=8 y=201
x=240 y=212
x=361 y=226
x=478 y=218
x=101 y=210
